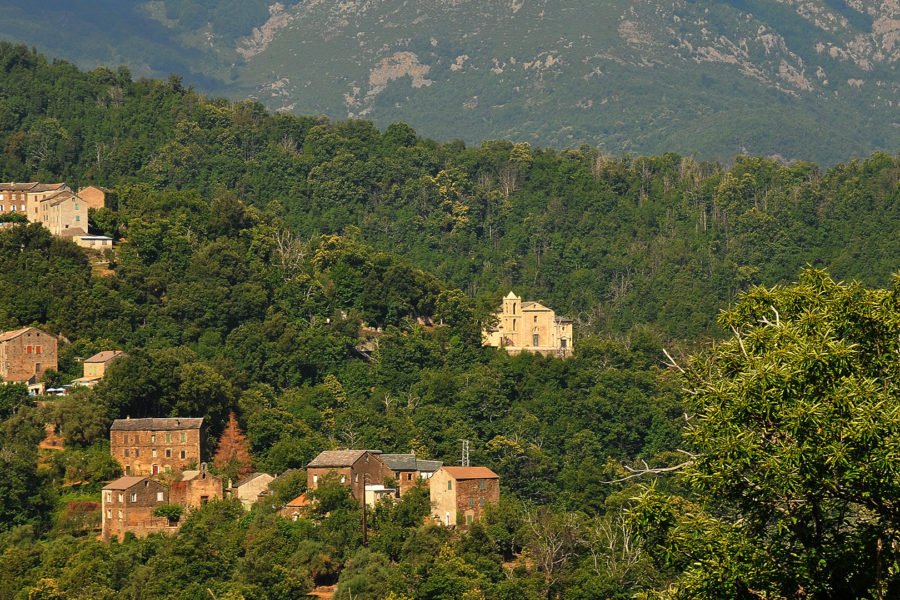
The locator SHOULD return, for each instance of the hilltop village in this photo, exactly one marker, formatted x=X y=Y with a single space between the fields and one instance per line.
x=164 y=459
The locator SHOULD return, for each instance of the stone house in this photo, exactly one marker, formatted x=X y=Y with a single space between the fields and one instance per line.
x=94 y=196
x=156 y=445
x=354 y=468
x=249 y=489
x=64 y=214
x=95 y=367
x=23 y=198
x=25 y=354
x=529 y=327
x=406 y=469
x=459 y=494
x=195 y=488
x=128 y=504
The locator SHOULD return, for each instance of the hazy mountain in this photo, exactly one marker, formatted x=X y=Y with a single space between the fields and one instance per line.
x=799 y=79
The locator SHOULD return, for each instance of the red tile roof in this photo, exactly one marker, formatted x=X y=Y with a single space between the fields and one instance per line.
x=106 y=355
x=8 y=335
x=470 y=473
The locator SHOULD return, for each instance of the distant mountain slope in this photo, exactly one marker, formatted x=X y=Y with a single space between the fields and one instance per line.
x=810 y=79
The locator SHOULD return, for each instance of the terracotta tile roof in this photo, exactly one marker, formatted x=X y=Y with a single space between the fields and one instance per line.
x=106 y=355
x=8 y=335
x=123 y=483
x=400 y=462
x=300 y=500
x=156 y=424
x=339 y=458
x=471 y=473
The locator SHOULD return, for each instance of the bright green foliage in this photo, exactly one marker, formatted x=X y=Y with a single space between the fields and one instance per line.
x=795 y=421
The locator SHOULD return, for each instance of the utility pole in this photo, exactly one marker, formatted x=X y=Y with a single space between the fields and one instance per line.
x=465 y=453
x=365 y=524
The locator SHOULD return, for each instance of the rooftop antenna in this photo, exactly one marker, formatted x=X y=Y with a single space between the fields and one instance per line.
x=465 y=453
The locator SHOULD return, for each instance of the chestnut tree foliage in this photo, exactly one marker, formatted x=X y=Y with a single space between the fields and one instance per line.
x=794 y=429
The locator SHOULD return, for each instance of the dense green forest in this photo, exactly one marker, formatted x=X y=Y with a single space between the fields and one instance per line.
x=278 y=266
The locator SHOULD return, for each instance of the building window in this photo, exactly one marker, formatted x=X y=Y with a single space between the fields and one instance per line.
x=2 y=208
x=183 y=455
x=514 y=324
x=120 y=515
x=168 y=438
x=153 y=453
x=534 y=340
x=450 y=484
x=126 y=452
x=183 y=437
x=409 y=476
x=315 y=479
x=159 y=496
x=128 y=469
x=76 y=207
x=471 y=500
x=134 y=496
x=137 y=453
x=28 y=350
x=481 y=484
x=535 y=318
x=168 y=453
x=77 y=218
x=168 y=468
x=152 y=438
x=121 y=498
x=562 y=342
x=343 y=479
x=109 y=496
x=481 y=502
x=356 y=478
x=109 y=513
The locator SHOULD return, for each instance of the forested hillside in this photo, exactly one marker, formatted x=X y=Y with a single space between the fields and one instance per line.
x=277 y=267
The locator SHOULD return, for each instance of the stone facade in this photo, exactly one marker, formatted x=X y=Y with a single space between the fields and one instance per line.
x=96 y=365
x=93 y=196
x=196 y=488
x=127 y=506
x=249 y=489
x=406 y=469
x=26 y=353
x=153 y=446
x=354 y=468
x=530 y=327
x=459 y=494
x=54 y=205
x=64 y=214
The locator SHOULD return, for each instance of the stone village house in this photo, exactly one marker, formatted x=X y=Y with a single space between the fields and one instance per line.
x=95 y=367
x=25 y=354
x=157 y=445
x=128 y=504
x=354 y=468
x=459 y=494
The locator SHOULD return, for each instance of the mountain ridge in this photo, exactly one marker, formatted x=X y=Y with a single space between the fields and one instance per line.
x=812 y=80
